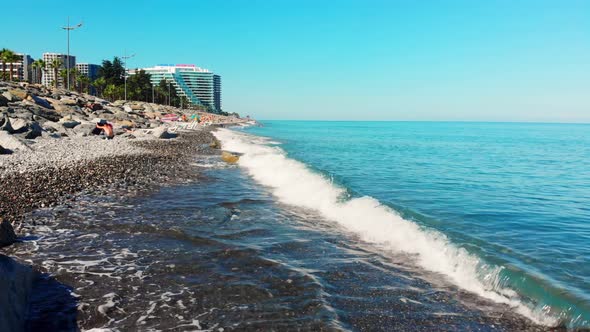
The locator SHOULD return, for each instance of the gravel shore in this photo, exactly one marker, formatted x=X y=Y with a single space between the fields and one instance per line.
x=57 y=170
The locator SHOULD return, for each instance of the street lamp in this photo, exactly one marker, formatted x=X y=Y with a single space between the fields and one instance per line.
x=125 y=57
x=69 y=28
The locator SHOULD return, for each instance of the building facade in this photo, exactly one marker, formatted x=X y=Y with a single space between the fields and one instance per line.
x=21 y=70
x=49 y=74
x=198 y=85
x=88 y=69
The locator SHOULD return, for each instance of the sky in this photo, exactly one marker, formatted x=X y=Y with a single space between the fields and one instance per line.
x=437 y=60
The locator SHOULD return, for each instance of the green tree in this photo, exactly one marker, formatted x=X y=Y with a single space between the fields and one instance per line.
x=2 y=52
x=55 y=65
x=83 y=82
x=100 y=84
x=139 y=86
x=38 y=68
x=9 y=57
x=112 y=71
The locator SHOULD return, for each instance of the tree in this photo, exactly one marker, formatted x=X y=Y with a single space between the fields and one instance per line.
x=83 y=83
x=112 y=72
x=9 y=57
x=139 y=86
x=100 y=84
x=2 y=52
x=38 y=68
x=55 y=65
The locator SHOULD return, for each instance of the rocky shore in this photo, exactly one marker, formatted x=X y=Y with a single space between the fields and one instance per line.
x=48 y=152
x=49 y=156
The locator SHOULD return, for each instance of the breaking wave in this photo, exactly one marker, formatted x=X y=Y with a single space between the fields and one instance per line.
x=292 y=182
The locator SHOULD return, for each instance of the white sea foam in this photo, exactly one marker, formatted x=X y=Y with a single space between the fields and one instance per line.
x=292 y=182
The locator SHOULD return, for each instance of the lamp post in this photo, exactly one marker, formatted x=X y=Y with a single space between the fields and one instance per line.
x=125 y=57
x=69 y=28
x=169 y=95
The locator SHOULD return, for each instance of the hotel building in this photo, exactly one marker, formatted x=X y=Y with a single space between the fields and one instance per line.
x=88 y=69
x=49 y=74
x=21 y=70
x=198 y=85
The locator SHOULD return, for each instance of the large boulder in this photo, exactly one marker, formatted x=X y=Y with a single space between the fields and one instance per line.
x=5 y=124
x=19 y=125
x=127 y=109
x=162 y=132
x=125 y=123
x=18 y=94
x=7 y=235
x=46 y=114
x=9 y=96
x=16 y=287
x=40 y=101
x=68 y=122
x=136 y=107
x=3 y=101
x=84 y=129
x=69 y=101
x=35 y=130
x=11 y=142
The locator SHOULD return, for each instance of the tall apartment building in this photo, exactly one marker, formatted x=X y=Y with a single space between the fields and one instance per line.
x=49 y=74
x=88 y=69
x=198 y=85
x=21 y=70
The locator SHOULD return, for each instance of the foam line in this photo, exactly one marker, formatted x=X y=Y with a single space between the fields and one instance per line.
x=292 y=182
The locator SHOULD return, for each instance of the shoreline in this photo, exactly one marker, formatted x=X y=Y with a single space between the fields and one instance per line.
x=133 y=166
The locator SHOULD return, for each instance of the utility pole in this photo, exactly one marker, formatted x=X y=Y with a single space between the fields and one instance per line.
x=69 y=28
x=125 y=57
x=169 y=95
x=153 y=93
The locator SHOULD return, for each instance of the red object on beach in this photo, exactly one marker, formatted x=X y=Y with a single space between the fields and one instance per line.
x=169 y=118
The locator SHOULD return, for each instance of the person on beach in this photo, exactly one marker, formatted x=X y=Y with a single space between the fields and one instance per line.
x=104 y=127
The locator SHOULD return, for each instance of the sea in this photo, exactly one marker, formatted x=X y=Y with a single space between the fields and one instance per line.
x=501 y=210
x=333 y=226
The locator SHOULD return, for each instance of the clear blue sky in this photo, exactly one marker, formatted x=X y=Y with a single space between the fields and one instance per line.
x=343 y=60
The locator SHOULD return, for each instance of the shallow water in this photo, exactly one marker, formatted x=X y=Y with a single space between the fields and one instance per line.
x=222 y=254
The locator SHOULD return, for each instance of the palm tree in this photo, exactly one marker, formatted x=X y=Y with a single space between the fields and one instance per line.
x=9 y=57
x=2 y=52
x=100 y=84
x=74 y=74
x=83 y=83
x=55 y=65
x=38 y=67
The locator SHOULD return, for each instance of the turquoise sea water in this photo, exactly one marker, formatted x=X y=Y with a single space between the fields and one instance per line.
x=515 y=196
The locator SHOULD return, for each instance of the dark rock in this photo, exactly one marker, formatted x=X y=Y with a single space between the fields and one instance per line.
x=4 y=151
x=70 y=124
x=5 y=124
x=35 y=131
x=7 y=235
x=46 y=114
x=41 y=102
x=3 y=101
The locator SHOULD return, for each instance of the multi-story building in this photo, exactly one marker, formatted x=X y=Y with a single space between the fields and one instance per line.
x=198 y=85
x=88 y=69
x=21 y=69
x=49 y=74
